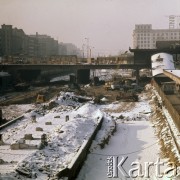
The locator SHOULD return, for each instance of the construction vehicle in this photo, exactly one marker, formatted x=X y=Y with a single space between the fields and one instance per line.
x=107 y=86
x=40 y=98
x=115 y=83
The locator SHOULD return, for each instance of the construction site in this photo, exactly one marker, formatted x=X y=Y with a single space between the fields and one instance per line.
x=64 y=122
x=106 y=87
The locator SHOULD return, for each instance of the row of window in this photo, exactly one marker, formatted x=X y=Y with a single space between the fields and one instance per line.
x=148 y=40
x=153 y=41
x=158 y=38
x=143 y=27
x=144 y=46
x=154 y=35
x=145 y=38
x=158 y=34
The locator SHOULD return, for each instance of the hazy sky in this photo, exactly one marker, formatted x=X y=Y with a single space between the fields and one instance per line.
x=108 y=24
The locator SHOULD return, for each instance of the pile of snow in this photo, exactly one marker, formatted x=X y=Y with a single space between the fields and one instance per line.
x=63 y=144
x=104 y=99
x=68 y=99
x=132 y=111
x=87 y=109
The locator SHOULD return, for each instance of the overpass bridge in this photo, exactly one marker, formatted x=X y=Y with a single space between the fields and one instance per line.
x=32 y=71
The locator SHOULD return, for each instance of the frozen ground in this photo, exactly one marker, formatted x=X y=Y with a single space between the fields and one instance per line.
x=134 y=139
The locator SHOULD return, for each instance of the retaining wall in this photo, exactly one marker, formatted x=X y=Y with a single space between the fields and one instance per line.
x=173 y=112
x=74 y=167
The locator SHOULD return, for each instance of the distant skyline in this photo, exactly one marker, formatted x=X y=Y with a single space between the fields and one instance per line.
x=108 y=24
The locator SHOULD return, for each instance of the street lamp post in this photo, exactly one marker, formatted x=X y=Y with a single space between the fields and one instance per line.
x=87 y=39
x=83 y=49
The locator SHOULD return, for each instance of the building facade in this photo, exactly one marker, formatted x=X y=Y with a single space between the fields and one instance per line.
x=6 y=40
x=46 y=45
x=15 y=43
x=144 y=37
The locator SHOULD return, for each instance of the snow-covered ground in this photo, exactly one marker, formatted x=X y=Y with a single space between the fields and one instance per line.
x=134 y=139
x=64 y=137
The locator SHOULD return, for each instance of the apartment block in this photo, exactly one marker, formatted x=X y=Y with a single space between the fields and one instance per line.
x=46 y=45
x=144 y=37
x=15 y=43
x=6 y=39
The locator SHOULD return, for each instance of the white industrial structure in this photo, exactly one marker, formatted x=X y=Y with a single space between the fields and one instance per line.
x=160 y=62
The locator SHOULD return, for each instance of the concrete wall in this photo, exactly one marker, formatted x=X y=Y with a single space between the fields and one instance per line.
x=74 y=167
x=172 y=111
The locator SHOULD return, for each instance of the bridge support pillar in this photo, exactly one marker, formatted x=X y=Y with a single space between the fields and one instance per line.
x=72 y=78
x=83 y=76
x=137 y=76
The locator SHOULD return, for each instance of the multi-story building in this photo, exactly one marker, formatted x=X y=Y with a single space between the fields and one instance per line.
x=46 y=45
x=144 y=37
x=32 y=46
x=6 y=40
x=19 y=42
x=15 y=43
